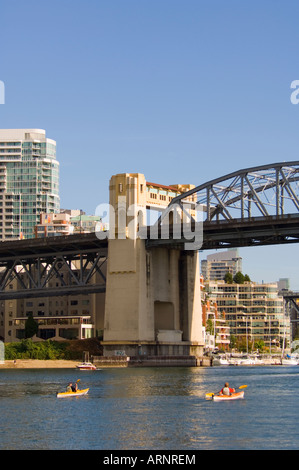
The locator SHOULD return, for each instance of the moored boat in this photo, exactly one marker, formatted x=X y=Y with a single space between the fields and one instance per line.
x=289 y=361
x=223 y=361
x=86 y=366
x=220 y=361
x=72 y=394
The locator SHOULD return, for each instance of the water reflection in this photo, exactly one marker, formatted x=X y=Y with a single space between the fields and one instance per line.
x=158 y=408
x=156 y=382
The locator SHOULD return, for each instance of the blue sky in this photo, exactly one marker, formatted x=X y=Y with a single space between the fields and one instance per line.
x=181 y=90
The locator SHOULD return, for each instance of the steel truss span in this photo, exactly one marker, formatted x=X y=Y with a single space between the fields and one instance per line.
x=249 y=207
x=71 y=265
x=267 y=190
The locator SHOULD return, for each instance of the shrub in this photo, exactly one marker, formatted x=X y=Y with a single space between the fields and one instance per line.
x=27 y=349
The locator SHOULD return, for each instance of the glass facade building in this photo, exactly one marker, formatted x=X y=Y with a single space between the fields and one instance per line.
x=29 y=181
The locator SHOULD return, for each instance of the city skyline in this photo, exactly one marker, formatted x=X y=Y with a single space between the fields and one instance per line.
x=177 y=91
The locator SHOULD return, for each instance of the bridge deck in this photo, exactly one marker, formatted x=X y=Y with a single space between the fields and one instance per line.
x=82 y=243
x=239 y=233
x=216 y=234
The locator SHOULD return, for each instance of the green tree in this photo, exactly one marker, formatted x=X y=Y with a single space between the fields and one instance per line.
x=242 y=344
x=233 y=342
x=247 y=278
x=228 y=278
x=31 y=326
x=259 y=344
x=239 y=278
x=210 y=326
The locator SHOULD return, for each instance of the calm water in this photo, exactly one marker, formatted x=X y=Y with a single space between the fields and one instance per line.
x=150 y=408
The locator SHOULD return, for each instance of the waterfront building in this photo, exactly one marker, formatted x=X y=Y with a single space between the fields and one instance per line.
x=254 y=312
x=29 y=181
x=216 y=265
x=58 y=317
x=216 y=331
x=66 y=222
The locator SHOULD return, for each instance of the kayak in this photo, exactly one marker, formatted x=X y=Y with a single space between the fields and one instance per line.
x=72 y=394
x=233 y=396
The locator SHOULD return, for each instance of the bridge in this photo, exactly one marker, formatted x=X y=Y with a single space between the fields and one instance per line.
x=249 y=207
x=150 y=274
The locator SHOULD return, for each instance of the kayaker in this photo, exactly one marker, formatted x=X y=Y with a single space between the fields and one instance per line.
x=75 y=387
x=69 y=387
x=226 y=390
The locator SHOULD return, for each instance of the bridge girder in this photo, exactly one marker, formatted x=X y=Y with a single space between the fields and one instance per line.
x=46 y=268
x=266 y=190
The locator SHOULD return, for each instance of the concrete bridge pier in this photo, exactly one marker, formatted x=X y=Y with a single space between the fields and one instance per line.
x=153 y=302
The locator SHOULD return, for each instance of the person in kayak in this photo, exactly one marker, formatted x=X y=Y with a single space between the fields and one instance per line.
x=69 y=387
x=226 y=390
x=75 y=387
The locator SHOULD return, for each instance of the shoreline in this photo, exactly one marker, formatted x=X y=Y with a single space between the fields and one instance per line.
x=39 y=364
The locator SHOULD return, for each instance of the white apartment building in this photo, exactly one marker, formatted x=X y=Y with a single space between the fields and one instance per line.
x=253 y=311
x=218 y=264
x=29 y=181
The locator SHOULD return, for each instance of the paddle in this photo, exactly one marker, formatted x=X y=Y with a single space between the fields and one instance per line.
x=210 y=395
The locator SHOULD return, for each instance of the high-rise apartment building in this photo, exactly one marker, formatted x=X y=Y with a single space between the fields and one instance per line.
x=29 y=181
x=218 y=264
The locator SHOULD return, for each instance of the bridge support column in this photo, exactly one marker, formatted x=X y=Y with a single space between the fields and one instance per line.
x=153 y=301
x=190 y=301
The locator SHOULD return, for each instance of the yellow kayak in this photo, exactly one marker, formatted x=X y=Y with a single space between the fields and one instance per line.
x=72 y=394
